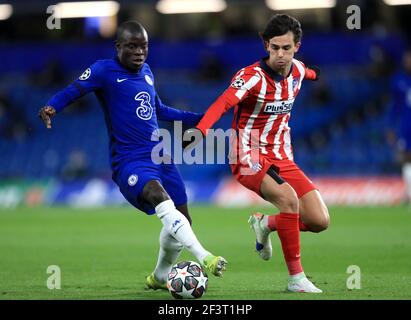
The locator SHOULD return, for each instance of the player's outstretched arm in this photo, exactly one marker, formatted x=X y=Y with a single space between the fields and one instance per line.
x=193 y=136
x=235 y=93
x=167 y=113
x=46 y=113
x=89 y=81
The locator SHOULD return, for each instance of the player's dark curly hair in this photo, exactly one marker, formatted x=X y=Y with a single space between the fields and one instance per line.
x=280 y=24
x=130 y=26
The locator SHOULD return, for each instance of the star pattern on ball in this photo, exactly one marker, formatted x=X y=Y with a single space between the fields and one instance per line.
x=182 y=273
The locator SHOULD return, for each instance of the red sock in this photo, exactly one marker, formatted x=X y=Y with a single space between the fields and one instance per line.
x=289 y=234
x=272 y=224
x=303 y=227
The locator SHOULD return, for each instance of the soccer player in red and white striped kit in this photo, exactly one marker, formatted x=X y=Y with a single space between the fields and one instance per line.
x=263 y=95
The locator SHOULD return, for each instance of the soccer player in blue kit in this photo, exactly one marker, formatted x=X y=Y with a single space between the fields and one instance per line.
x=124 y=86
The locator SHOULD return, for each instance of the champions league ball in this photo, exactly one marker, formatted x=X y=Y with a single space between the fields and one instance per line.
x=187 y=280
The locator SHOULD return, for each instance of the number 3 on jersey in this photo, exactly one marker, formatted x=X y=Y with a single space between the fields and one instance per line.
x=145 y=110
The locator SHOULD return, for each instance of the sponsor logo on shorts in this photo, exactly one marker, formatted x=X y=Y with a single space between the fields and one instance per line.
x=132 y=180
x=279 y=107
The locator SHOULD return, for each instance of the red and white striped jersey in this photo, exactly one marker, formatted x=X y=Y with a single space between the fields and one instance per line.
x=263 y=102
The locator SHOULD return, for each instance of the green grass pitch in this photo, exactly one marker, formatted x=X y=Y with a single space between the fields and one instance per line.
x=106 y=253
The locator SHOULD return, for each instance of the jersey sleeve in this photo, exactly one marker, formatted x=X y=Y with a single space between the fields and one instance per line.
x=309 y=74
x=242 y=84
x=167 y=113
x=90 y=80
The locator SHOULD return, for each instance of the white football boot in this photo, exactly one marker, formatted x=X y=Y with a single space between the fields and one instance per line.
x=263 y=241
x=302 y=284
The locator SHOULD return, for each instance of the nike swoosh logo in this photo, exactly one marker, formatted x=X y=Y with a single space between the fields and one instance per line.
x=121 y=80
x=175 y=232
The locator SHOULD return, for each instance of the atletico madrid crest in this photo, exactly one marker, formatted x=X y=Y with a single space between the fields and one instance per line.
x=295 y=83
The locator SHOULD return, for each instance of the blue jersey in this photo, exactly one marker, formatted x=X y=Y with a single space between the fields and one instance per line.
x=400 y=111
x=131 y=107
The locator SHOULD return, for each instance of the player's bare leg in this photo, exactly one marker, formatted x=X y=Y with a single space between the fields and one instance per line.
x=314 y=216
x=283 y=196
x=313 y=212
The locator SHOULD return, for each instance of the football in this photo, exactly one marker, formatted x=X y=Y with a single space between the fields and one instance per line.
x=187 y=280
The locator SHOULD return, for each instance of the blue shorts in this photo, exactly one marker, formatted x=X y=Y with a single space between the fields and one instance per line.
x=132 y=177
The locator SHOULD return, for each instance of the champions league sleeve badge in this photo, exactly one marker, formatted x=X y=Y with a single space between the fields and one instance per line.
x=238 y=83
x=86 y=74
